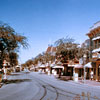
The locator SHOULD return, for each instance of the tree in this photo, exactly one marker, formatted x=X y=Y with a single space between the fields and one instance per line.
x=10 y=41
x=29 y=63
x=13 y=59
x=67 y=49
x=48 y=57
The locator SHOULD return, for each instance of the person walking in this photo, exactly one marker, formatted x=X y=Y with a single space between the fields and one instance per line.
x=1 y=76
x=91 y=75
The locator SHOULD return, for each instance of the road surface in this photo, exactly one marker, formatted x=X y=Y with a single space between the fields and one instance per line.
x=35 y=86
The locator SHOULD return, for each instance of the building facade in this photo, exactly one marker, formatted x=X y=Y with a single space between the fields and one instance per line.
x=51 y=50
x=94 y=36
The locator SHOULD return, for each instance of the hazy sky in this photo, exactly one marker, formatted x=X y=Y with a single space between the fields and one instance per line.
x=45 y=21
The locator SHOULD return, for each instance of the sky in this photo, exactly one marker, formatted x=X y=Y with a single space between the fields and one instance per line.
x=45 y=21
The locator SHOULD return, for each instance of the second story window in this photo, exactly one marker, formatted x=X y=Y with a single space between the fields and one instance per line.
x=99 y=43
x=95 y=44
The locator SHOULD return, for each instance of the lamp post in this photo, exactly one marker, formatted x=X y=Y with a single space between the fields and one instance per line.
x=5 y=70
x=84 y=66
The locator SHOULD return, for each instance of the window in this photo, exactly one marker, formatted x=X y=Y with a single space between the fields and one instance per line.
x=98 y=43
x=95 y=44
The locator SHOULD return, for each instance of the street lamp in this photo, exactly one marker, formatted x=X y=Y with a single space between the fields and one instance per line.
x=84 y=66
x=5 y=70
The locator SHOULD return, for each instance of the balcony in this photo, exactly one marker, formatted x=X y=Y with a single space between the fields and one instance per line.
x=96 y=50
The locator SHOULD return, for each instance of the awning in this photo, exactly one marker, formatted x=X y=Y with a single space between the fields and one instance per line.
x=96 y=38
x=59 y=63
x=96 y=50
x=47 y=64
x=78 y=66
x=18 y=66
x=88 y=65
x=52 y=65
x=42 y=66
x=58 y=67
x=70 y=65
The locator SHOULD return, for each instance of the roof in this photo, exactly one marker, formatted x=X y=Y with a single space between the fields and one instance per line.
x=57 y=66
x=88 y=65
x=54 y=49
x=51 y=49
x=52 y=64
x=48 y=49
x=47 y=64
x=96 y=50
x=95 y=25
x=95 y=29
x=59 y=63
x=78 y=66
x=42 y=66
x=96 y=38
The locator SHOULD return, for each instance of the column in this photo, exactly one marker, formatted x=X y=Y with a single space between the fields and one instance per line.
x=97 y=44
x=73 y=73
x=91 y=47
x=90 y=72
x=96 y=71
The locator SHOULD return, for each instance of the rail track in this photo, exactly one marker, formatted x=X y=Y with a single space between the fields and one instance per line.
x=46 y=90
x=57 y=93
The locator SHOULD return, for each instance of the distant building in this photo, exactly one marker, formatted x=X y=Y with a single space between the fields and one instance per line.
x=86 y=44
x=51 y=50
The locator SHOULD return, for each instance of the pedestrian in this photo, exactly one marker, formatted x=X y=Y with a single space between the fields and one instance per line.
x=91 y=75
x=1 y=74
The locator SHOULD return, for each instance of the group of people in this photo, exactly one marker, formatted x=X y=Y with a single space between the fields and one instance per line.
x=89 y=76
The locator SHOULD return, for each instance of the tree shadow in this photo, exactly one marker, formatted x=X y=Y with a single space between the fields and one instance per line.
x=16 y=81
x=15 y=74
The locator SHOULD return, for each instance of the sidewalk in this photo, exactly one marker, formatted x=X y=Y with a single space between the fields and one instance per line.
x=89 y=82
x=86 y=82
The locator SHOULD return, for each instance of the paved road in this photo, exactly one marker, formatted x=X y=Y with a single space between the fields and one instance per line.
x=55 y=89
x=35 y=86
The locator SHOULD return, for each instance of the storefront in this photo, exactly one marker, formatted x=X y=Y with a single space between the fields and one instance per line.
x=88 y=68
x=96 y=69
x=58 y=69
x=94 y=36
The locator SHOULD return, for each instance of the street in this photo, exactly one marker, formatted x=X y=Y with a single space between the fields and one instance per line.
x=35 y=86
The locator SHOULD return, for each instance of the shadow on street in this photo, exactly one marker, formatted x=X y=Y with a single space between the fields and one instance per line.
x=16 y=81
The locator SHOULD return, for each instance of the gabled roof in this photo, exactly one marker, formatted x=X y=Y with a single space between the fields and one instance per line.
x=51 y=49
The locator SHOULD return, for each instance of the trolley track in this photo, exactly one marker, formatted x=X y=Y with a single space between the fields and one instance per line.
x=46 y=87
x=57 y=90
x=53 y=89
